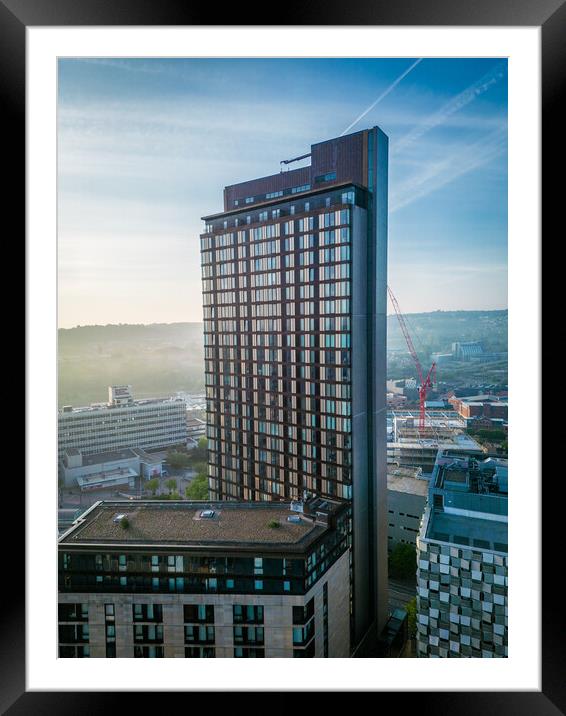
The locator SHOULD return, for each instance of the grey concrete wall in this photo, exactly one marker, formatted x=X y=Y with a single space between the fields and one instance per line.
x=401 y=505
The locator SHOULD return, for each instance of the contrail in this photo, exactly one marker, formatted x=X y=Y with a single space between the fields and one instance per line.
x=382 y=95
x=454 y=105
x=454 y=165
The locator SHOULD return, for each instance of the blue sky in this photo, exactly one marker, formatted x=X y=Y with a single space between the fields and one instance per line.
x=145 y=147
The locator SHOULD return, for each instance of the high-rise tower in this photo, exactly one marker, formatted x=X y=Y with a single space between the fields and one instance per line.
x=294 y=290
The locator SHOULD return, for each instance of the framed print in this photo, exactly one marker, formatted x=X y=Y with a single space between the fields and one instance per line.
x=104 y=187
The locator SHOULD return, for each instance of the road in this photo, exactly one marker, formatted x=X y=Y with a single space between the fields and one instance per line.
x=400 y=593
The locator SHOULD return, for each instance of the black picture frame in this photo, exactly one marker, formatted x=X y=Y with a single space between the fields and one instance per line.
x=550 y=16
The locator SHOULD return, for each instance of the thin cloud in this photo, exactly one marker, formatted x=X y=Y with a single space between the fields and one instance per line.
x=460 y=161
x=457 y=103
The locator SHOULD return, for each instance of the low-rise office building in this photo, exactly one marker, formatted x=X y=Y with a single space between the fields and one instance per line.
x=480 y=406
x=194 y=579
x=415 y=452
x=406 y=499
x=108 y=469
x=122 y=423
x=462 y=561
x=438 y=424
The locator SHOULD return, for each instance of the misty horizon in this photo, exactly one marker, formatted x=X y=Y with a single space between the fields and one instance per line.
x=173 y=323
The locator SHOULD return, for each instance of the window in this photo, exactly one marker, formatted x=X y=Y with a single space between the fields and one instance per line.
x=73 y=612
x=330 y=176
x=247 y=614
x=239 y=652
x=148 y=652
x=301 y=615
x=199 y=634
x=199 y=613
x=147 y=612
x=199 y=652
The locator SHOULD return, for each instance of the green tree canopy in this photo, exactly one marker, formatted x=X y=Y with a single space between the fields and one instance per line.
x=403 y=561
x=178 y=460
x=152 y=485
x=411 y=608
x=171 y=485
x=197 y=489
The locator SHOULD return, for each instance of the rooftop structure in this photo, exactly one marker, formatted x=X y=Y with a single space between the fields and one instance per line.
x=210 y=525
x=407 y=479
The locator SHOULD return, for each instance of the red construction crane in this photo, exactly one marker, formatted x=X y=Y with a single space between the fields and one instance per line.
x=425 y=383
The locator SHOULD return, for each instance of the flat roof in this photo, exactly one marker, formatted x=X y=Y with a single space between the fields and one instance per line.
x=406 y=483
x=469 y=531
x=141 y=403
x=100 y=458
x=146 y=456
x=99 y=478
x=234 y=525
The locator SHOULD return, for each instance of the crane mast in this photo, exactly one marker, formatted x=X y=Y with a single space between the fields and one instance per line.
x=424 y=383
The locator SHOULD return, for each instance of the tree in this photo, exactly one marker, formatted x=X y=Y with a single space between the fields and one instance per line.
x=152 y=485
x=178 y=459
x=199 y=454
x=197 y=489
x=403 y=561
x=171 y=485
x=411 y=608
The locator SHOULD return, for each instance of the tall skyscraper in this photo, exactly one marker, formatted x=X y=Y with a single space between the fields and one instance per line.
x=294 y=290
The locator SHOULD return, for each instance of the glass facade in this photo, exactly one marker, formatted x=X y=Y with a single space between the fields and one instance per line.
x=277 y=325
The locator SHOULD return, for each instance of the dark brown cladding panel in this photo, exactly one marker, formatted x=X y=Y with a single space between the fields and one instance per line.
x=343 y=155
x=258 y=188
x=347 y=156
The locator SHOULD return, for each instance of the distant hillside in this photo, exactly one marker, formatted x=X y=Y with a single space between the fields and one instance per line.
x=163 y=358
x=156 y=359
x=436 y=331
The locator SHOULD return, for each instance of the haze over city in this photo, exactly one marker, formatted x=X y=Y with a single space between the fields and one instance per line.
x=145 y=147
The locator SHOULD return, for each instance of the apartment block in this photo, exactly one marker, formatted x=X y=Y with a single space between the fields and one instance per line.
x=462 y=549
x=294 y=274
x=206 y=580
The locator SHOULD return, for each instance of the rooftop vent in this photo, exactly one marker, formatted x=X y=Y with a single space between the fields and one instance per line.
x=207 y=514
x=120 y=516
x=295 y=519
